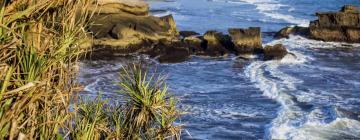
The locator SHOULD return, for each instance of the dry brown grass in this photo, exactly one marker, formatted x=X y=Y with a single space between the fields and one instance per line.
x=38 y=49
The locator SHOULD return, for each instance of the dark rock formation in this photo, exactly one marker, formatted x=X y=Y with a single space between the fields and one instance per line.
x=214 y=44
x=194 y=44
x=297 y=30
x=174 y=55
x=343 y=26
x=246 y=41
x=185 y=34
x=276 y=52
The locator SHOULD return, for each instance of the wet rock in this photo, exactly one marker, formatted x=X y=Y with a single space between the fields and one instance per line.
x=214 y=43
x=342 y=26
x=296 y=30
x=174 y=55
x=276 y=52
x=168 y=51
x=185 y=34
x=194 y=44
x=246 y=41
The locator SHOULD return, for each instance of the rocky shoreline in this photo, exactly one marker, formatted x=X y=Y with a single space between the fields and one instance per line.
x=123 y=27
x=341 y=26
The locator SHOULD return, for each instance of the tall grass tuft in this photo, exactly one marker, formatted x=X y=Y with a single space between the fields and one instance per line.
x=150 y=110
x=149 y=113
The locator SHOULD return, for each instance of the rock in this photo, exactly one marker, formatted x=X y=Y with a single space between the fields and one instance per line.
x=126 y=31
x=185 y=34
x=246 y=40
x=194 y=44
x=342 y=26
x=126 y=27
x=349 y=8
x=214 y=43
x=276 y=52
x=174 y=55
x=169 y=19
x=296 y=30
x=133 y=7
x=168 y=51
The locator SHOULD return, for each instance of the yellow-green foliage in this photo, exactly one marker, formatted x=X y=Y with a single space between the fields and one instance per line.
x=39 y=49
x=149 y=112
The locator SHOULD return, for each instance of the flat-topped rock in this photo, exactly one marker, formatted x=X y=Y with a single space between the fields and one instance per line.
x=134 y=7
x=126 y=25
x=349 y=8
x=214 y=43
x=246 y=40
x=342 y=26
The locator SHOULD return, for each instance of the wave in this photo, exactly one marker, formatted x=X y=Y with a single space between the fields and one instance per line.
x=297 y=117
x=295 y=41
x=270 y=7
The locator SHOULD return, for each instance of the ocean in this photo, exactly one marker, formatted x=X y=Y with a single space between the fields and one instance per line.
x=313 y=96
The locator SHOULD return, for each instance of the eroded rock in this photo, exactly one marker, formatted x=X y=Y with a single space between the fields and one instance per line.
x=194 y=44
x=134 y=7
x=342 y=26
x=296 y=30
x=129 y=28
x=246 y=41
x=276 y=52
x=214 y=43
x=185 y=34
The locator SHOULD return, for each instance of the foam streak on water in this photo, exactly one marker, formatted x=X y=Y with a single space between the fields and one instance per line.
x=270 y=8
x=299 y=119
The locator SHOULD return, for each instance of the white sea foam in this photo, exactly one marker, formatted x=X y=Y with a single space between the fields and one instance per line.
x=295 y=41
x=292 y=121
x=270 y=9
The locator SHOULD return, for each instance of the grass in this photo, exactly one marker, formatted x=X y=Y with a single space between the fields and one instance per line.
x=40 y=45
x=149 y=113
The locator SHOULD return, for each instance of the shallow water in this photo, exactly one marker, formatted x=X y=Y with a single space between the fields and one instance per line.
x=313 y=96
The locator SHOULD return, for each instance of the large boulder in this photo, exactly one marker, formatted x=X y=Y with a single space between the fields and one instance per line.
x=126 y=26
x=246 y=41
x=174 y=55
x=343 y=26
x=276 y=52
x=195 y=45
x=168 y=51
x=296 y=30
x=215 y=43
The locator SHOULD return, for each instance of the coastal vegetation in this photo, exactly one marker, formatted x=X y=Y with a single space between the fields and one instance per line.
x=40 y=47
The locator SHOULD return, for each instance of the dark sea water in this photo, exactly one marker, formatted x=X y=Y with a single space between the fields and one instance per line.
x=314 y=96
